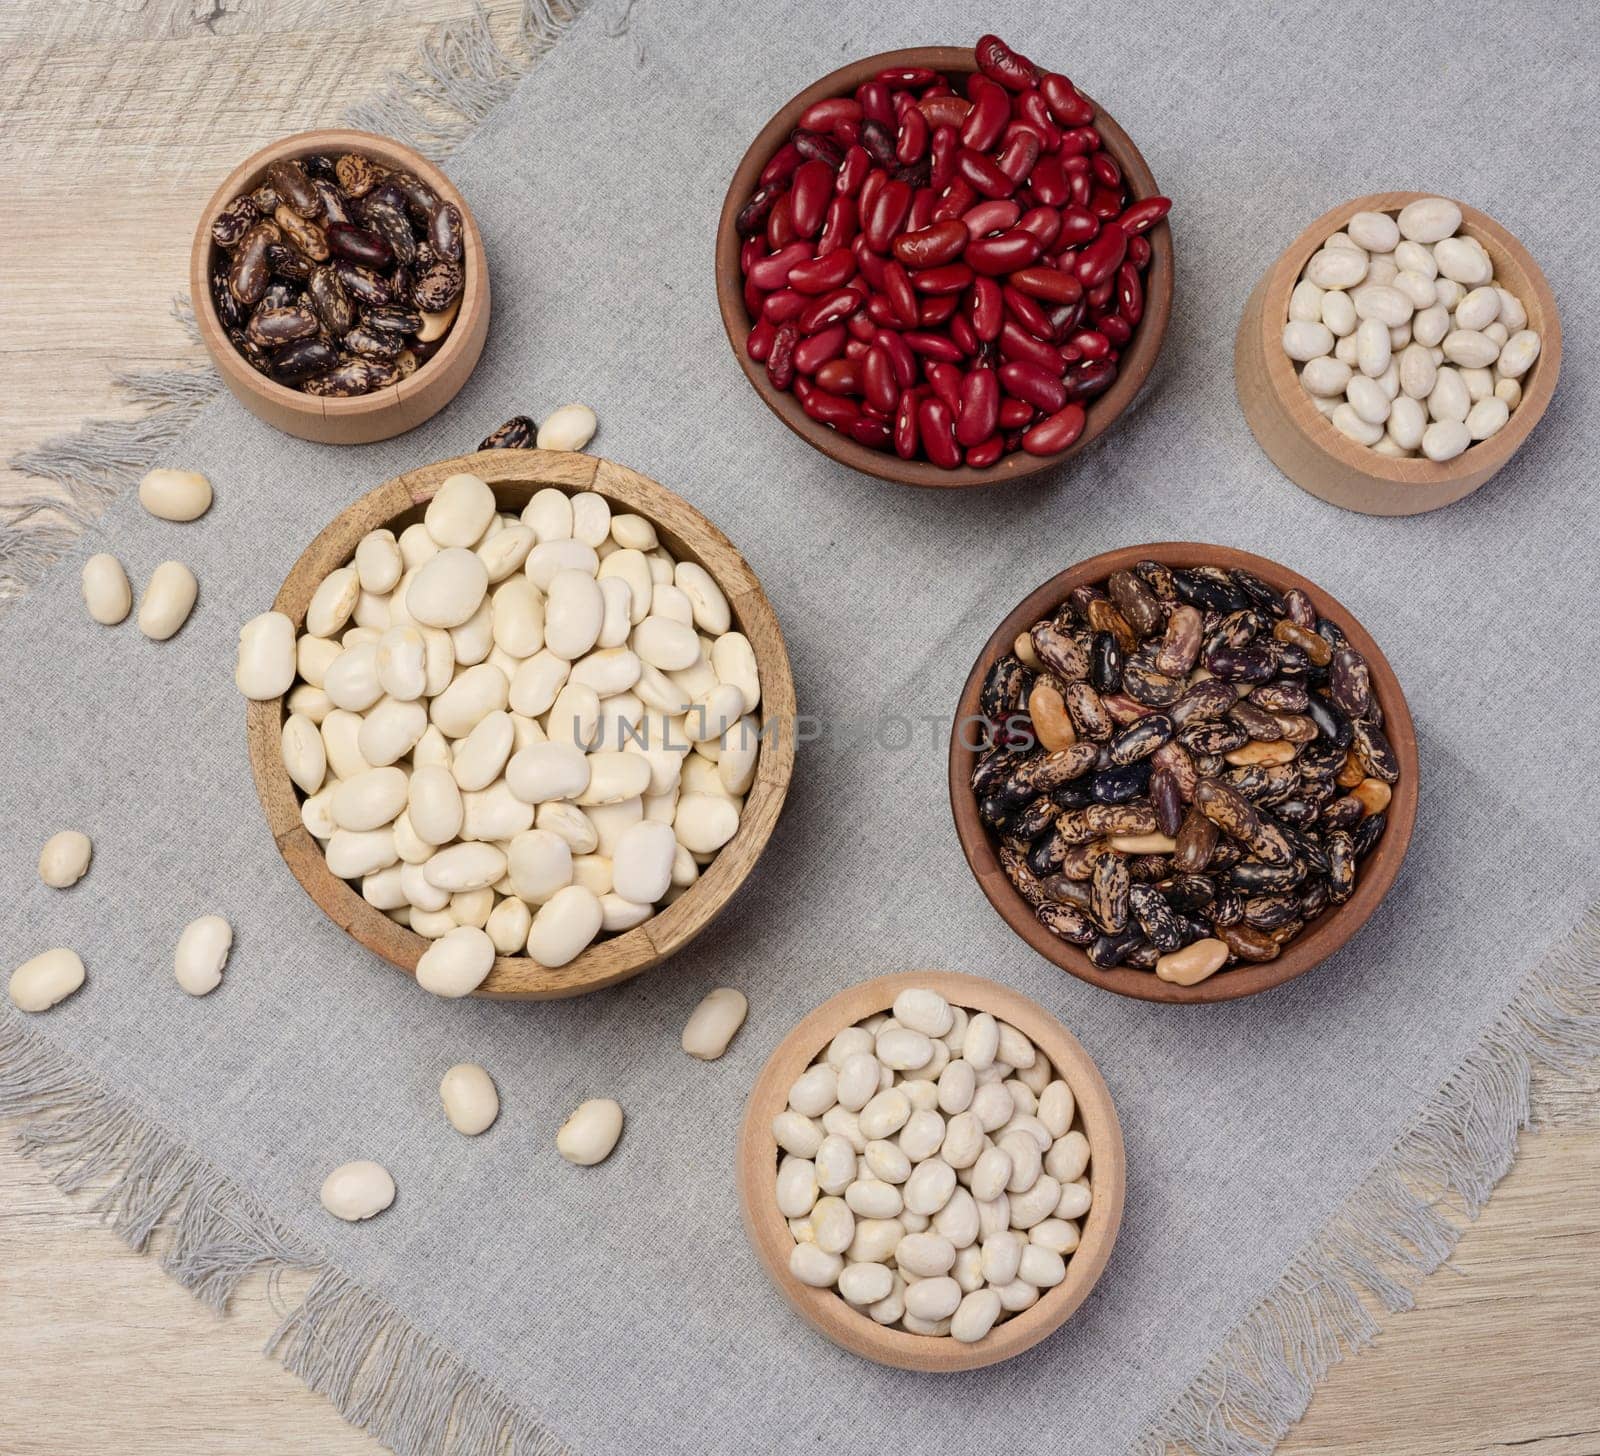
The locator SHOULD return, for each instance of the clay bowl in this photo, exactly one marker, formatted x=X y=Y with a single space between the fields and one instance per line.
x=1137 y=359
x=515 y=475
x=1322 y=936
x=364 y=418
x=826 y=1309
x=1303 y=443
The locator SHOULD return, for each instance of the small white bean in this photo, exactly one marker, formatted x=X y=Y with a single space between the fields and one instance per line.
x=168 y=600
x=835 y=1161
x=1325 y=377
x=1517 y=357
x=814 y=1091
x=266 y=660
x=469 y=1097
x=564 y=926
x=1445 y=439
x=933 y=1300
x=1487 y=417
x=797 y=1186
x=456 y=964
x=64 y=860
x=1429 y=219
x=1305 y=302
x=864 y=1284
x=1377 y=232
x=798 y=1135
x=1339 y=313
x=569 y=428
x=1041 y=1267
x=815 y=1267
x=202 y=953
x=1303 y=341
x=106 y=592
x=175 y=495
x=1449 y=400
x=49 y=978
x=713 y=1023
x=358 y=1190
x=460 y=511
x=590 y=1134
x=885 y=1114
x=975 y=1316
x=1337 y=268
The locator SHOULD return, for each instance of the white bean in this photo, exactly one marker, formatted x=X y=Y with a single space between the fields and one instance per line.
x=1303 y=341
x=569 y=428
x=266 y=660
x=1517 y=357
x=460 y=511
x=1429 y=219
x=106 y=592
x=469 y=1097
x=1445 y=439
x=358 y=1190
x=815 y=1267
x=49 y=978
x=448 y=588
x=456 y=964
x=64 y=860
x=202 y=953
x=168 y=600
x=175 y=495
x=1337 y=268
x=564 y=926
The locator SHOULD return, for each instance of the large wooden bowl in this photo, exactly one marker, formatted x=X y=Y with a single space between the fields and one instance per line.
x=825 y=1309
x=1303 y=443
x=1321 y=936
x=515 y=475
x=367 y=417
x=1138 y=359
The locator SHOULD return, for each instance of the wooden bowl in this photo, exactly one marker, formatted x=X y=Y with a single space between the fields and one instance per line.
x=515 y=475
x=1303 y=443
x=1138 y=359
x=368 y=417
x=1096 y=1118
x=1321 y=936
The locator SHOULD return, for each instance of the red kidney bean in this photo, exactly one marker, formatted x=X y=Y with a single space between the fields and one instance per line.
x=824 y=274
x=878 y=382
x=1014 y=413
x=753 y=299
x=932 y=346
x=986 y=309
x=943 y=242
x=752 y=218
x=773 y=270
x=1141 y=216
x=830 y=309
x=875 y=102
x=1067 y=316
x=991 y=110
x=839 y=227
x=901 y=360
x=1028 y=313
x=751 y=252
x=936 y=426
x=1139 y=251
x=1032 y=110
x=783 y=305
x=1091 y=377
x=856 y=347
x=885 y=215
x=991 y=217
x=1000 y=63
x=1080 y=141
x=912 y=139
x=982 y=455
x=1044 y=223
x=1049 y=182
x=861 y=328
x=812 y=352
x=910 y=78
x=853 y=171
x=839 y=376
x=949 y=278
x=942 y=158
x=945 y=381
x=907 y=438
x=1090 y=344
x=815 y=147
x=781 y=167
x=984 y=173
x=1018 y=155
x=759 y=344
x=1105 y=168
x=1051 y=284
x=1100 y=295
x=1052 y=435
x=1116 y=328
x=1080 y=182
x=870 y=263
x=977 y=407
x=864 y=430
x=1034 y=386
x=955 y=200
x=902 y=298
x=1130 y=294
x=1066 y=105
x=878 y=139
x=824 y=406
x=1078 y=226
x=827 y=114
x=780 y=227
x=942 y=111
x=1003 y=254
x=847 y=133
x=780 y=359
x=921 y=213
x=1017 y=343
x=1106 y=202
x=936 y=309
x=964 y=335
x=1099 y=260
x=809 y=197
x=880 y=312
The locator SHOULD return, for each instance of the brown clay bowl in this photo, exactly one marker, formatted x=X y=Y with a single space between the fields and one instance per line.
x=1322 y=936
x=385 y=412
x=825 y=1309
x=515 y=475
x=1138 y=359
x=1303 y=443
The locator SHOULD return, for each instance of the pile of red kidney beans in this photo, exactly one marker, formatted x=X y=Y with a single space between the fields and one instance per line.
x=949 y=276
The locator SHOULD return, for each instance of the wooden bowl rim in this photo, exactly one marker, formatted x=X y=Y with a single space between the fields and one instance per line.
x=474 y=291
x=1137 y=360
x=826 y=1310
x=1538 y=384
x=1330 y=930
x=619 y=957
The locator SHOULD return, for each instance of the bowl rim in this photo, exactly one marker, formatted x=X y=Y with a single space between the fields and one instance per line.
x=688 y=532
x=824 y=1309
x=463 y=339
x=1138 y=360
x=1486 y=456
x=1324 y=935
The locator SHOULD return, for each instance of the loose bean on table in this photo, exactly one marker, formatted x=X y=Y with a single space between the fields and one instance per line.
x=470 y=1100
x=106 y=591
x=202 y=953
x=46 y=979
x=64 y=860
x=357 y=1191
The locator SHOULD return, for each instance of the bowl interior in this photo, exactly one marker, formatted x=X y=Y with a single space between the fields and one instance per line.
x=826 y=1310
x=1321 y=936
x=1515 y=270
x=462 y=338
x=1138 y=359
x=515 y=475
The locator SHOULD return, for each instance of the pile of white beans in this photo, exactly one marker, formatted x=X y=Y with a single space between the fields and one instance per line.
x=514 y=734
x=930 y=1170
x=1404 y=339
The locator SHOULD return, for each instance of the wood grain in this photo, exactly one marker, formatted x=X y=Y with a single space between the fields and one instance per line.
x=1498 y=1357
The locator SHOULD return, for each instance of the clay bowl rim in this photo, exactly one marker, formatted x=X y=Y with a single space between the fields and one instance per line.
x=824 y=1309
x=1137 y=360
x=691 y=536
x=1329 y=931
x=1526 y=280
x=466 y=335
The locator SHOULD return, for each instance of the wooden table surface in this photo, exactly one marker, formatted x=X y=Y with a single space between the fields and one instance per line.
x=116 y=121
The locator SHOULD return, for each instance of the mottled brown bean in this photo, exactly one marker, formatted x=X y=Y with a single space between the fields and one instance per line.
x=233 y=222
x=517 y=433
x=1089 y=715
x=1135 y=602
x=270 y=327
x=1248 y=943
x=1196 y=839
x=1104 y=617
x=1110 y=884
x=1227 y=808
x=248 y=269
x=1310 y=643
x=1154 y=689
x=1349 y=683
x=1257 y=722
x=288 y=179
x=1062 y=653
x=304 y=235
x=1068 y=922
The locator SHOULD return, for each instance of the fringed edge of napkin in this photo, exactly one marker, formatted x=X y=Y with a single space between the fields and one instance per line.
x=381 y=1373
x=1399 y=1226
x=460 y=74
